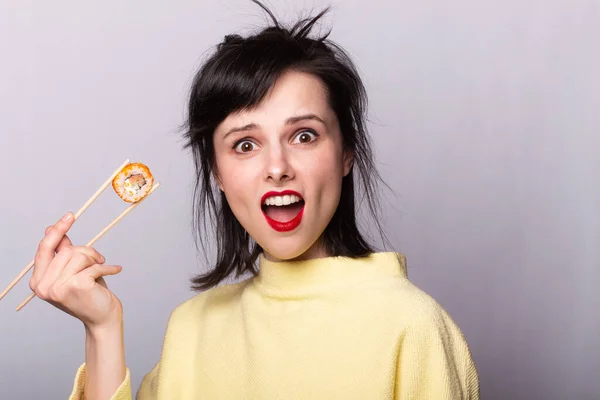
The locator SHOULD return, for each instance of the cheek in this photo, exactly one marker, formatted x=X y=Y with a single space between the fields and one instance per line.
x=229 y=176
x=235 y=185
x=326 y=173
x=239 y=186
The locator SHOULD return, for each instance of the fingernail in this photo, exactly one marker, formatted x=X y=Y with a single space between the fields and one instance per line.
x=102 y=259
x=67 y=216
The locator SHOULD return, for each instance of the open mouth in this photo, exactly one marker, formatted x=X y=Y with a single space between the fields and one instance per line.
x=283 y=210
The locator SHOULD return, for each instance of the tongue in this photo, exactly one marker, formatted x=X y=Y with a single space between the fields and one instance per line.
x=284 y=213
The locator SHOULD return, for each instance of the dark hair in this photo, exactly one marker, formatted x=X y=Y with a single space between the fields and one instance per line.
x=237 y=77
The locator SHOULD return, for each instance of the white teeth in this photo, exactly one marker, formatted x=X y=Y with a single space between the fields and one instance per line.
x=282 y=200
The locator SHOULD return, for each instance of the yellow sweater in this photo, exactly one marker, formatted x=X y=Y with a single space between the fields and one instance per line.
x=329 y=328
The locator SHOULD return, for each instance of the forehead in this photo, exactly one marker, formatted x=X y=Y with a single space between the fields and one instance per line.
x=294 y=93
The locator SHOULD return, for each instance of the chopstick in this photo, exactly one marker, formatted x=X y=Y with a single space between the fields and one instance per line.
x=99 y=235
x=77 y=215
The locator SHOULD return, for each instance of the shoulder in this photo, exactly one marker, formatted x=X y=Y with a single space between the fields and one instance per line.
x=415 y=306
x=411 y=309
x=429 y=340
x=215 y=300
x=425 y=330
x=418 y=312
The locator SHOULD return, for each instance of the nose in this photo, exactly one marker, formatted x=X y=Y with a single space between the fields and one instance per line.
x=278 y=167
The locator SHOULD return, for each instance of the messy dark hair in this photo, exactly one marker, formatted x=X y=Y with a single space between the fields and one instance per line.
x=237 y=77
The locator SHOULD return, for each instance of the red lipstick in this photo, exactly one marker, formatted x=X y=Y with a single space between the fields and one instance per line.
x=282 y=226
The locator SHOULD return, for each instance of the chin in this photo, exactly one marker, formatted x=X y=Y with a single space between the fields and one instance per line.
x=291 y=249
x=286 y=250
x=284 y=254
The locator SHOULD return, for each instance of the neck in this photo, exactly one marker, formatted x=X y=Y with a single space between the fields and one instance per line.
x=313 y=252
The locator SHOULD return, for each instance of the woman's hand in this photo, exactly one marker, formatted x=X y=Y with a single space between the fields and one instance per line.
x=70 y=278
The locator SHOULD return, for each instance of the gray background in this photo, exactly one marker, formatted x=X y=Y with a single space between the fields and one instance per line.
x=485 y=116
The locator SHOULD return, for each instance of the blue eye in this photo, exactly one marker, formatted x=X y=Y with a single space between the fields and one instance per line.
x=306 y=136
x=244 y=146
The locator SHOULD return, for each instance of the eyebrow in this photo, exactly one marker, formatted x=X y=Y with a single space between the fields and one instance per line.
x=289 y=121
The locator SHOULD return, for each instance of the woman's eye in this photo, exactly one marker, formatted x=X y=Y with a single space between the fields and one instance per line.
x=244 y=146
x=305 y=137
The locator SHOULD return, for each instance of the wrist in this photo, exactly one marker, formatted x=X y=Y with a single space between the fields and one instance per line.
x=105 y=360
x=104 y=331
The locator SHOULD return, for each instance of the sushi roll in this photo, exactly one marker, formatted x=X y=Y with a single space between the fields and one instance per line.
x=133 y=182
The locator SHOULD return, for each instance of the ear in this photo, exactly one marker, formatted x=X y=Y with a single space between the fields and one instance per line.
x=217 y=178
x=348 y=161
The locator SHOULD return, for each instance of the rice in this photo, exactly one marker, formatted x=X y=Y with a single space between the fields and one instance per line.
x=133 y=182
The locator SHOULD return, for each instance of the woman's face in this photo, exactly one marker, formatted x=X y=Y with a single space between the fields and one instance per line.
x=281 y=166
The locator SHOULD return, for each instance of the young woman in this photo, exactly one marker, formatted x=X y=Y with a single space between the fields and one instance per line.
x=276 y=126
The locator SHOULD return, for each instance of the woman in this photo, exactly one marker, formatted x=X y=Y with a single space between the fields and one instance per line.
x=276 y=127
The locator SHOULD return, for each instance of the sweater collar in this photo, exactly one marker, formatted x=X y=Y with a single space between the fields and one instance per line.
x=300 y=278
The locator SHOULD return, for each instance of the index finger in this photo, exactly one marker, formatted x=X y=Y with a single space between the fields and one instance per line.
x=48 y=245
x=65 y=242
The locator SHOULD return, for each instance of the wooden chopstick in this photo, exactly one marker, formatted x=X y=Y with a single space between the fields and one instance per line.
x=77 y=215
x=102 y=233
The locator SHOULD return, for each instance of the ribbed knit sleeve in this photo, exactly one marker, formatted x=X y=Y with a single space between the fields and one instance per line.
x=435 y=362
x=149 y=387
x=123 y=392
